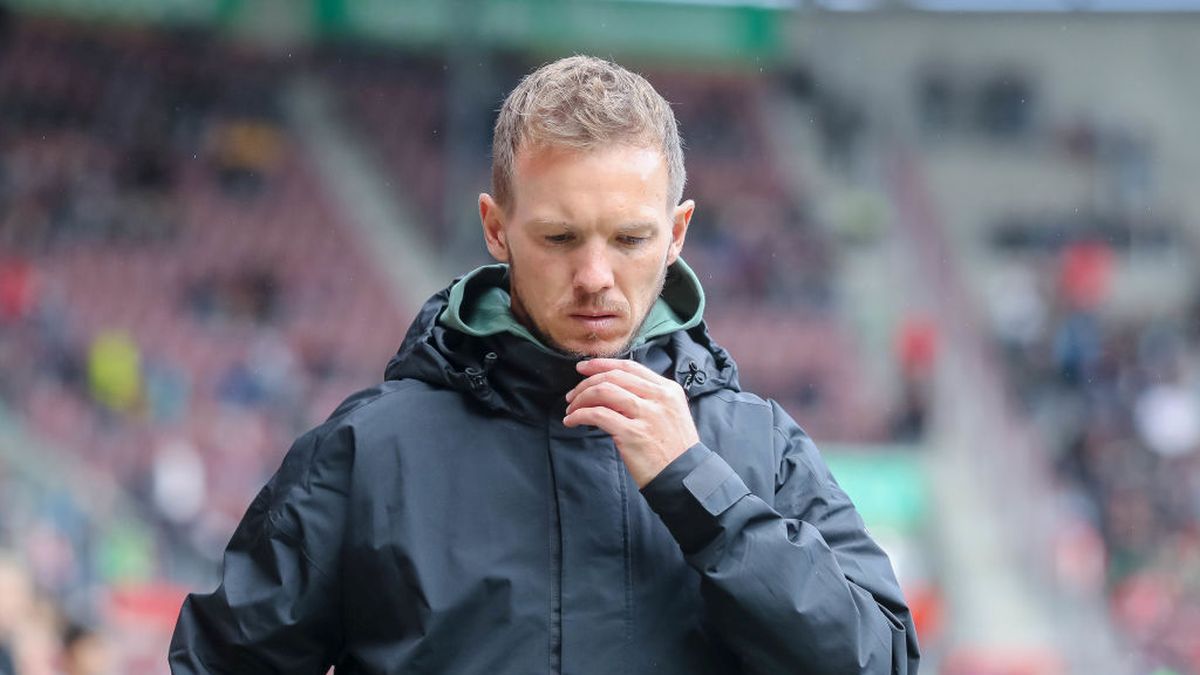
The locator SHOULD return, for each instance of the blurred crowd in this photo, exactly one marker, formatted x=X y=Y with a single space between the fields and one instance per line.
x=1114 y=389
x=175 y=297
x=1118 y=398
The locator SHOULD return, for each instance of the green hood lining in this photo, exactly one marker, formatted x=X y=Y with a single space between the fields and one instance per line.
x=487 y=311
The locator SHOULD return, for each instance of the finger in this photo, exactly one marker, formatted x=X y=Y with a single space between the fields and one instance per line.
x=628 y=381
x=592 y=366
x=607 y=419
x=610 y=396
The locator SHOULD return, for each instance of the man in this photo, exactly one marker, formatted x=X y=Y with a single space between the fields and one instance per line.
x=560 y=473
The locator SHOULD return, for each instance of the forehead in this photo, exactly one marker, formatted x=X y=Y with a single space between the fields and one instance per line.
x=608 y=175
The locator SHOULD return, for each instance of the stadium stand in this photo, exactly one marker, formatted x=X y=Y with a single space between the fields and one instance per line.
x=1121 y=391
x=1092 y=314
x=178 y=293
x=398 y=101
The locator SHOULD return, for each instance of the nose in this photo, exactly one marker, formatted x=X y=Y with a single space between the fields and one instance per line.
x=593 y=271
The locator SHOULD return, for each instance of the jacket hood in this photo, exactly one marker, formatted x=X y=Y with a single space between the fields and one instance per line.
x=465 y=338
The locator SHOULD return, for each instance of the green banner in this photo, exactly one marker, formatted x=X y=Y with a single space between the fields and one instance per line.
x=662 y=30
x=889 y=487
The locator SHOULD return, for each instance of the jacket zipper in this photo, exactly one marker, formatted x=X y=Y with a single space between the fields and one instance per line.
x=555 y=569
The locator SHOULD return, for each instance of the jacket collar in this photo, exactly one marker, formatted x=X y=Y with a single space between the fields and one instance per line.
x=479 y=304
x=488 y=357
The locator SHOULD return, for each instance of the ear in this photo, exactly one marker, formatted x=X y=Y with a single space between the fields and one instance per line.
x=492 y=218
x=681 y=217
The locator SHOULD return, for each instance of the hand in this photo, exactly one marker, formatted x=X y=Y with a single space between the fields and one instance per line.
x=646 y=414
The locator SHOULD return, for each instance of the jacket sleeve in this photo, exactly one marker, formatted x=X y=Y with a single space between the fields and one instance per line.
x=277 y=607
x=793 y=586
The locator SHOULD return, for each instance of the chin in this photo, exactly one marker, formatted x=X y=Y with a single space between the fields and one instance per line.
x=595 y=349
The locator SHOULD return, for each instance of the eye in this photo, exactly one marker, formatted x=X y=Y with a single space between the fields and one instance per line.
x=630 y=240
x=558 y=238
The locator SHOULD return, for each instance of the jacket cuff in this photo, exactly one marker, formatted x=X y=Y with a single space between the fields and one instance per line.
x=691 y=493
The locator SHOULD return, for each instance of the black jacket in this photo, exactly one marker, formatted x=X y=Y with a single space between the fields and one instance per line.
x=446 y=522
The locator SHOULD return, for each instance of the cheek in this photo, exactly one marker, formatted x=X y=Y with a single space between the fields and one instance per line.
x=642 y=282
x=536 y=287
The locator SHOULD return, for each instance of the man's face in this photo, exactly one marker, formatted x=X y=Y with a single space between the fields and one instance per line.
x=588 y=238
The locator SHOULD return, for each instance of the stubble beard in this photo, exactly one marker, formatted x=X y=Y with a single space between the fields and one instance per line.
x=526 y=319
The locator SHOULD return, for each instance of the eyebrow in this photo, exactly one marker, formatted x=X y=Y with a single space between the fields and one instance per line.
x=638 y=225
x=542 y=222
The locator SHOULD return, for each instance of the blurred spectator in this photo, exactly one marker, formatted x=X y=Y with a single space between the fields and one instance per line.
x=842 y=123
x=1001 y=106
x=148 y=169
x=240 y=386
x=85 y=652
x=179 y=481
x=244 y=152
x=1005 y=104
x=916 y=350
x=26 y=623
x=1168 y=418
x=1086 y=274
x=256 y=295
x=17 y=289
x=936 y=100
x=50 y=551
x=168 y=391
x=252 y=295
x=275 y=368
x=114 y=371
x=202 y=297
x=1018 y=309
x=1077 y=347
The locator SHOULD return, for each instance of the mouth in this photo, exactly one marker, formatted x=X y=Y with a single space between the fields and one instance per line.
x=596 y=322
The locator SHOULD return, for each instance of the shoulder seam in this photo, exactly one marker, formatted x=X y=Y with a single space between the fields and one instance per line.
x=371 y=401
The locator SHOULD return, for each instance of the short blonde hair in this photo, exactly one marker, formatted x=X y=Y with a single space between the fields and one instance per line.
x=583 y=102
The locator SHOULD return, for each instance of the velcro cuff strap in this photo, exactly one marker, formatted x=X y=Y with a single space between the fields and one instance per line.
x=715 y=485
